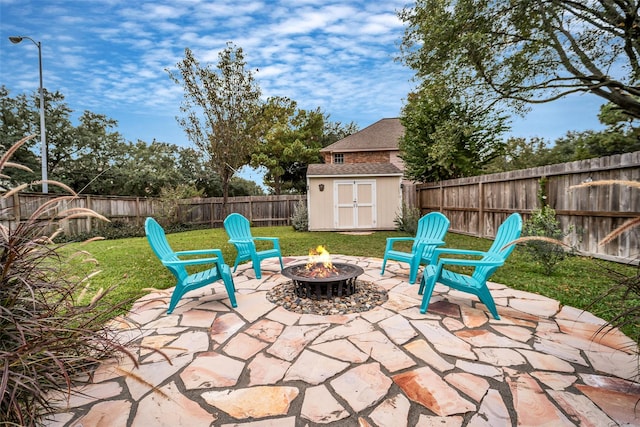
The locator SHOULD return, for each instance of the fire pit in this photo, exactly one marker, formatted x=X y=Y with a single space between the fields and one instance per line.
x=319 y=277
x=323 y=288
x=318 y=281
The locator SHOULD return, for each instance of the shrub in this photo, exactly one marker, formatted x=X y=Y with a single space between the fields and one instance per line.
x=49 y=333
x=300 y=217
x=543 y=223
x=171 y=197
x=407 y=219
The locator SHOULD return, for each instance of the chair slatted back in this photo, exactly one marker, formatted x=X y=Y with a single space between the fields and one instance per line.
x=508 y=231
x=160 y=245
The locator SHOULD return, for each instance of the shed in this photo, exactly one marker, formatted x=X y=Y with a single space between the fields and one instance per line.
x=353 y=196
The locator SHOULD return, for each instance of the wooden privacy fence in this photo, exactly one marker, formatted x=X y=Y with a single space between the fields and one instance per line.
x=261 y=210
x=478 y=205
x=131 y=210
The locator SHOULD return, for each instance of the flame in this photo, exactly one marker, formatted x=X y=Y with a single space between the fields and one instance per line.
x=319 y=255
x=319 y=264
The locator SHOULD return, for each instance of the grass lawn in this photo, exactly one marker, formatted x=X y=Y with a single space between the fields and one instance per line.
x=130 y=265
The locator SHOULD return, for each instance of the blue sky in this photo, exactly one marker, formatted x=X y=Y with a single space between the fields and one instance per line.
x=110 y=56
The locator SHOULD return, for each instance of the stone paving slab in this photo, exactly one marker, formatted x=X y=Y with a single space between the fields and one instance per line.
x=261 y=366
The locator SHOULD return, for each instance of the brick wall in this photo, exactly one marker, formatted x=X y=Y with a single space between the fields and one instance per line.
x=362 y=157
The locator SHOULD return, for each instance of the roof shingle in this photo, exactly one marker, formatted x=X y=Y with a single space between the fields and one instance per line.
x=333 y=169
x=384 y=134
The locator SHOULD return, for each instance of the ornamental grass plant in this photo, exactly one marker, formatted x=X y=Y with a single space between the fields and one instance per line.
x=52 y=333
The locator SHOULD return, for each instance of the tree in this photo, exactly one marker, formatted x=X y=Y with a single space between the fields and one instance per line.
x=520 y=153
x=523 y=51
x=90 y=156
x=221 y=110
x=445 y=138
x=335 y=131
x=76 y=155
x=19 y=118
x=292 y=141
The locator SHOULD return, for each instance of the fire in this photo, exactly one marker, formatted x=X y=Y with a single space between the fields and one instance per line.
x=319 y=264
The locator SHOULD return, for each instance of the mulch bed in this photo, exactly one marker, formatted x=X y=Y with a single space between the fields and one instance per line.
x=367 y=296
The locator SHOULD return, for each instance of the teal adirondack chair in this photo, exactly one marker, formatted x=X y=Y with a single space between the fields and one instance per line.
x=188 y=282
x=239 y=231
x=431 y=230
x=484 y=267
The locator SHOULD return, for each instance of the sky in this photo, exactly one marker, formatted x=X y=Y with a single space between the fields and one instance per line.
x=110 y=57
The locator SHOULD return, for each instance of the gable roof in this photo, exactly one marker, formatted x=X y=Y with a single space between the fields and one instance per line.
x=333 y=169
x=383 y=135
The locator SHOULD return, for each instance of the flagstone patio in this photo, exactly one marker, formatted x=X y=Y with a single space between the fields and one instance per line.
x=259 y=365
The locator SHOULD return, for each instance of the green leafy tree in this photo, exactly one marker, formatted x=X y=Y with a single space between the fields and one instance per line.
x=445 y=138
x=194 y=171
x=148 y=168
x=89 y=157
x=335 y=131
x=19 y=118
x=523 y=51
x=292 y=141
x=520 y=153
x=80 y=156
x=620 y=136
x=243 y=187
x=221 y=110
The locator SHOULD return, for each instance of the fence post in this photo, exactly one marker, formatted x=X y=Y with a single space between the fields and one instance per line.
x=88 y=221
x=480 y=208
x=137 y=211
x=16 y=208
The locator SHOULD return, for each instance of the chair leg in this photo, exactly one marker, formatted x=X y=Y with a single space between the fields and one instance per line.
x=227 y=279
x=256 y=267
x=384 y=264
x=235 y=265
x=487 y=299
x=281 y=265
x=177 y=293
x=426 y=297
x=413 y=271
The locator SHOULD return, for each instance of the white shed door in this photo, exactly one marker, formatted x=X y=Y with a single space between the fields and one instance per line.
x=354 y=204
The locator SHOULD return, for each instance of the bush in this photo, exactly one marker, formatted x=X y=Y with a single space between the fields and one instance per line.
x=543 y=223
x=407 y=219
x=300 y=217
x=50 y=335
x=171 y=198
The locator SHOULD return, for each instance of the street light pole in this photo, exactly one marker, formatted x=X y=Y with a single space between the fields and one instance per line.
x=43 y=132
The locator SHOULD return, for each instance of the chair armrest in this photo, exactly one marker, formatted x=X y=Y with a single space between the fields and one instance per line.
x=216 y=252
x=399 y=239
x=197 y=261
x=451 y=251
x=470 y=262
x=273 y=239
x=392 y=240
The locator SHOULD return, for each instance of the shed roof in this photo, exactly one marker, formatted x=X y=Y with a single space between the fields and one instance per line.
x=382 y=135
x=345 y=169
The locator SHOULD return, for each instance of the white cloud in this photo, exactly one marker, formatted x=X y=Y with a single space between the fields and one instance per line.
x=110 y=56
